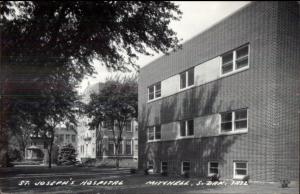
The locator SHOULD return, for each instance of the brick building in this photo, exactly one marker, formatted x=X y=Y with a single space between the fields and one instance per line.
x=228 y=101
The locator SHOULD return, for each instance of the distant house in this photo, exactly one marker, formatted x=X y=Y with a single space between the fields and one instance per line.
x=37 y=149
x=227 y=103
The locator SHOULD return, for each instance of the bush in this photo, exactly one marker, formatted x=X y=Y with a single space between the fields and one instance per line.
x=186 y=174
x=164 y=173
x=214 y=177
x=67 y=155
x=246 y=178
x=132 y=171
x=146 y=171
x=284 y=183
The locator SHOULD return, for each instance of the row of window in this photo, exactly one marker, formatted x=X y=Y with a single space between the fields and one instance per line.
x=233 y=121
x=232 y=61
x=62 y=137
x=126 y=151
x=240 y=168
x=108 y=125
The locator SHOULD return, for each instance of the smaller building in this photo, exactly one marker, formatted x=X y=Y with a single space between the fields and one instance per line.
x=38 y=147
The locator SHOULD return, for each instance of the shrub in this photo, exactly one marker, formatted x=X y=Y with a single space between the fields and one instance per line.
x=164 y=173
x=132 y=171
x=146 y=171
x=214 y=177
x=246 y=178
x=186 y=174
x=67 y=155
x=284 y=183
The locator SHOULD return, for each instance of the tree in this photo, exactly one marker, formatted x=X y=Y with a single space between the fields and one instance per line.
x=52 y=44
x=116 y=103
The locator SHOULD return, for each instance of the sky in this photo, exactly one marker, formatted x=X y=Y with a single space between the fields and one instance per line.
x=197 y=16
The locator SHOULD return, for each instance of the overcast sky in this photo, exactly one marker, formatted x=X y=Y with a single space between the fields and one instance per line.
x=197 y=16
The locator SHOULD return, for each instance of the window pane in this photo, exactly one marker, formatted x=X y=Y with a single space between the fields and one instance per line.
x=128 y=125
x=190 y=127
x=242 y=52
x=240 y=124
x=241 y=114
x=120 y=148
x=158 y=90
x=182 y=128
x=186 y=166
x=214 y=164
x=241 y=63
x=191 y=77
x=241 y=172
x=110 y=148
x=241 y=165
x=213 y=170
x=226 y=126
x=151 y=92
x=157 y=132
x=164 y=166
x=183 y=80
x=227 y=68
x=227 y=58
x=150 y=133
x=128 y=147
x=226 y=117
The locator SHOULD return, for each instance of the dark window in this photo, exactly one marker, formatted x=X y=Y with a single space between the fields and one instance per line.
x=151 y=92
x=240 y=119
x=191 y=77
x=128 y=126
x=150 y=133
x=187 y=78
x=187 y=128
x=164 y=166
x=183 y=80
x=213 y=168
x=182 y=128
x=111 y=148
x=157 y=132
x=242 y=57
x=128 y=147
x=190 y=129
x=158 y=90
x=226 y=122
x=227 y=63
x=185 y=166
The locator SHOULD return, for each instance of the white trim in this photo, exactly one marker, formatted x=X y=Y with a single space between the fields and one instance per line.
x=186 y=79
x=233 y=130
x=186 y=129
x=234 y=68
x=208 y=169
x=235 y=176
x=154 y=91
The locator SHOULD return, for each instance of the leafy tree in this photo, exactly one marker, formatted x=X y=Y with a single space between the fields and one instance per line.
x=48 y=47
x=116 y=103
x=67 y=155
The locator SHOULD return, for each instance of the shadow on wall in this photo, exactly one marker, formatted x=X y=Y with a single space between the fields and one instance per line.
x=195 y=102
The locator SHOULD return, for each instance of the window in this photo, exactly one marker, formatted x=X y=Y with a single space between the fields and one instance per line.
x=67 y=137
x=213 y=168
x=120 y=152
x=187 y=128
x=73 y=138
x=61 y=138
x=240 y=169
x=154 y=91
x=235 y=60
x=187 y=78
x=128 y=147
x=185 y=166
x=164 y=166
x=111 y=148
x=234 y=121
x=108 y=125
x=154 y=133
x=128 y=126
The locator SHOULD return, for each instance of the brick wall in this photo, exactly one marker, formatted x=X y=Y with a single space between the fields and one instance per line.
x=255 y=88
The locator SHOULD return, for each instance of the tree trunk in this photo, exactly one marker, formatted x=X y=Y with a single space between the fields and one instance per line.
x=50 y=154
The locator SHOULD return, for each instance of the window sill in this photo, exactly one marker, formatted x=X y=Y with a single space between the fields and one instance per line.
x=152 y=100
x=156 y=140
x=186 y=88
x=241 y=131
x=185 y=137
x=234 y=71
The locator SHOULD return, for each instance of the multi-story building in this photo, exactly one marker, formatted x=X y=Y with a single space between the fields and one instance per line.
x=91 y=147
x=228 y=102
